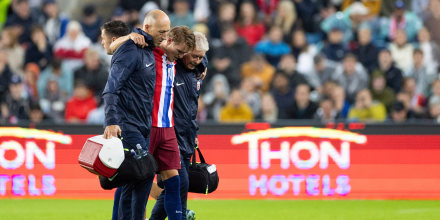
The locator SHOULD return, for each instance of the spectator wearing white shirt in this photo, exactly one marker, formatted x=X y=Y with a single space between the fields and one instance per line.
x=423 y=75
x=402 y=51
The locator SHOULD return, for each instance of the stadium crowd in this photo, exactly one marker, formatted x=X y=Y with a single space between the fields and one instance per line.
x=324 y=60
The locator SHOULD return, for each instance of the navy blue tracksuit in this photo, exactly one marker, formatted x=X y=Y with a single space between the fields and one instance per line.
x=186 y=95
x=128 y=97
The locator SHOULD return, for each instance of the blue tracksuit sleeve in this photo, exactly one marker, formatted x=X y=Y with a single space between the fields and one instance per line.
x=202 y=66
x=120 y=70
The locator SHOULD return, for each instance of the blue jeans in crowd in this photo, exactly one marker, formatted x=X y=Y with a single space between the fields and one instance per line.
x=158 y=212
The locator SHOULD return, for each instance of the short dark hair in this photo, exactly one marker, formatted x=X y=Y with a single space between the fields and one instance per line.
x=350 y=56
x=116 y=28
x=56 y=63
x=418 y=50
x=36 y=28
x=397 y=106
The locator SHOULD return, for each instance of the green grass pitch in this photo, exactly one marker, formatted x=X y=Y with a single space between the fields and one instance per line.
x=48 y=209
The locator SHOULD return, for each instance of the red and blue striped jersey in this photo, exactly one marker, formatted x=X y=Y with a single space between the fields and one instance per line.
x=163 y=92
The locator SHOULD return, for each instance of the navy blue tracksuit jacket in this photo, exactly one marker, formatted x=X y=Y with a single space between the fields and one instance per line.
x=128 y=94
x=186 y=95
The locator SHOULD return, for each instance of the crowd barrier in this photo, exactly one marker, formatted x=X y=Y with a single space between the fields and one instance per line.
x=254 y=161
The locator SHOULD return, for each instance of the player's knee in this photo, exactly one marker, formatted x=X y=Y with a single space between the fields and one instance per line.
x=166 y=174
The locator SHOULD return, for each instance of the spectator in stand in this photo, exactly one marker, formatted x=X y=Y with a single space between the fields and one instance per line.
x=347 y=21
x=327 y=112
x=37 y=116
x=53 y=101
x=15 y=106
x=352 y=76
x=282 y=93
x=392 y=74
x=405 y=98
x=39 y=51
x=380 y=91
x=216 y=95
x=288 y=66
x=5 y=74
x=309 y=13
x=72 y=46
x=9 y=41
x=322 y=72
x=63 y=75
x=94 y=73
x=119 y=15
x=398 y=113
x=251 y=93
x=91 y=23
x=366 y=52
x=420 y=8
x=401 y=51
x=228 y=58
x=286 y=18
x=54 y=22
x=335 y=49
x=269 y=110
x=268 y=8
x=431 y=51
x=388 y=7
x=418 y=100
x=132 y=6
x=401 y=19
x=202 y=111
x=274 y=47
x=248 y=26
x=434 y=109
x=21 y=19
x=31 y=73
x=435 y=88
x=432 y=21
x=302 y=107
x=328 y=87
x=236 y=110
x=80 y=105
x=303 y=52
x=224 y=18
x=342 y=106
x=203 y=9
x=259 y=68
x=423 y=75
x=366 y=109
x=182 y=14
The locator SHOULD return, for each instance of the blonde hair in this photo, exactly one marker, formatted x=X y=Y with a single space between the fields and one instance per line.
x=286 y=23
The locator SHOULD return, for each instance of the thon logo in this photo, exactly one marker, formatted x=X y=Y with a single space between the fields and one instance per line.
x=284 y=168
x=20 y=148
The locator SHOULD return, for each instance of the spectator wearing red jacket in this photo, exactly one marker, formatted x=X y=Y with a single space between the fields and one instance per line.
x=248 y=25
x=81 y=103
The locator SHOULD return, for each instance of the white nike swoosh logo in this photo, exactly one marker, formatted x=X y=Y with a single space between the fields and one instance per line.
x=148 y=65
x=179 y=84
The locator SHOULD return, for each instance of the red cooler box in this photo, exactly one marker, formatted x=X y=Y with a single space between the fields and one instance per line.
x=102 y=156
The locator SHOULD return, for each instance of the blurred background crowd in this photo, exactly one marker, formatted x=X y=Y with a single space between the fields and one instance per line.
x=269 y=60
